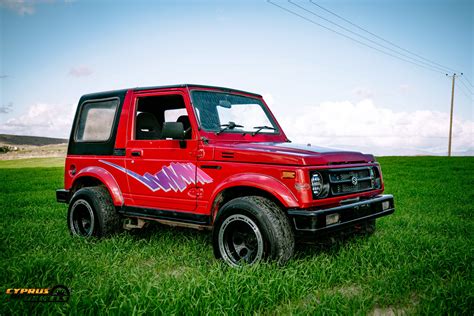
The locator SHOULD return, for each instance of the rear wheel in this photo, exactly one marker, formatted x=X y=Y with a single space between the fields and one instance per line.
x=92 y=213
x=250 y=229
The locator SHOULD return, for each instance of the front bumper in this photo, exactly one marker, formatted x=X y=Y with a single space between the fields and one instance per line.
x=63 y=196
x=308 y=221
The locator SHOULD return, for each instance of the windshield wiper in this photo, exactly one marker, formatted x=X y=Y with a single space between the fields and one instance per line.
x=259 y=128
x=228 y=126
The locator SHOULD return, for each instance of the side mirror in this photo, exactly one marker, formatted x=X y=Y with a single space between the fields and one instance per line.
x=174 y=130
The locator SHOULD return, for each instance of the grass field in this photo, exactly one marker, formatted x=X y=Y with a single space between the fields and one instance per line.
x=32 y=163
x=419 y=261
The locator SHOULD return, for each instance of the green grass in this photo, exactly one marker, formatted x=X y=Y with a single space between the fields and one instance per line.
x=420 y=260
x=32 y=163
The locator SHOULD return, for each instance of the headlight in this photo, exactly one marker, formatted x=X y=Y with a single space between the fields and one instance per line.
x=375 y=178
x=317 y=183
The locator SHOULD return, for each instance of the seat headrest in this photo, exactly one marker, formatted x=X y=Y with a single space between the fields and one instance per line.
x=185 y=120
x=148 y=126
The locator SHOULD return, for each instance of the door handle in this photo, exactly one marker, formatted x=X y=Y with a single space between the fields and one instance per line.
x=136 y=153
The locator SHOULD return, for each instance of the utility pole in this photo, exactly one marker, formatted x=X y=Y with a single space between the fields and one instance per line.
x=451 y=115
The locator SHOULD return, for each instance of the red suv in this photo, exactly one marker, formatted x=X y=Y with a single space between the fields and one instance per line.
x=211 y=158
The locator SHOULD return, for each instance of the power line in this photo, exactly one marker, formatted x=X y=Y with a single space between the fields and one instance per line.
x=378 y=136
x=381 y=38
x=364 y=37
x=468 y=89
x=465 y=78
x=352 y=39
x=416 y=62
x=470 y=98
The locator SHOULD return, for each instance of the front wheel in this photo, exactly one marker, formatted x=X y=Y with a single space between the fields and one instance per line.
x=250 y=229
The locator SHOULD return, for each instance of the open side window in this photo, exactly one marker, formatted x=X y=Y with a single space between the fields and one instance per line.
x=152 y=112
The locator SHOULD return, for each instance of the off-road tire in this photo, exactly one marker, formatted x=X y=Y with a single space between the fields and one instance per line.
x=272 y=223
x=97 y=203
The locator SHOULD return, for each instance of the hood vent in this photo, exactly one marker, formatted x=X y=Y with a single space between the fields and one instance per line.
x=227 y=154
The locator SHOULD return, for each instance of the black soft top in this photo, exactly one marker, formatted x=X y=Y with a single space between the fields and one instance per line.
x=107 y=147
x=122 y=92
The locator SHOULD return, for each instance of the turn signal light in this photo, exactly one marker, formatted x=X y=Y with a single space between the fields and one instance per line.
x=72 y=170
x=288 y=174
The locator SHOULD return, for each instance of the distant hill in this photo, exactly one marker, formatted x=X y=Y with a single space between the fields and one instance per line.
x=17 y=140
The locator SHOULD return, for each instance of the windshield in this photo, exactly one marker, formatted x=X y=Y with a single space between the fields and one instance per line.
x=230 y=113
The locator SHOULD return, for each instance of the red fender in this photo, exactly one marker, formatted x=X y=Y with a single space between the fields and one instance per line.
x=262 y=182
x=106 y=178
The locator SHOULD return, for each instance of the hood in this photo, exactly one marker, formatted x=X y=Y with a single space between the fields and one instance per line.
x=287 y=154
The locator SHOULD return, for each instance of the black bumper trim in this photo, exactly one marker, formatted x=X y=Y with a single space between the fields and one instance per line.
x=314 y=221
x=62 y=196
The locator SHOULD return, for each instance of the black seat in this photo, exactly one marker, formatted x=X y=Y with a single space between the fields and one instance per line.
x=186 y=125
x=148 y=126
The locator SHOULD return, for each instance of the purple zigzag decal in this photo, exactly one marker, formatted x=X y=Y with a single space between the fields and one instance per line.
x=176 y=176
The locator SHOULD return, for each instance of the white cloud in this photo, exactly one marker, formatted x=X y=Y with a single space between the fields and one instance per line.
x=42 y=120
x=7 y=108
x=21 y=7
x=364 y=126
x=363 y=93
x=356 y=126
x=25 y=7
x=80 y=71
x=404 y=88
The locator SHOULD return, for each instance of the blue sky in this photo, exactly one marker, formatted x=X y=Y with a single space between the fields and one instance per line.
x=52 y=52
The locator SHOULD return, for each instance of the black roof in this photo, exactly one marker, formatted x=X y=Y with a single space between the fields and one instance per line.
x=105 y=94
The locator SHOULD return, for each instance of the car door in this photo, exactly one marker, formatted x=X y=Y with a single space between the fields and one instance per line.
x=161 y=172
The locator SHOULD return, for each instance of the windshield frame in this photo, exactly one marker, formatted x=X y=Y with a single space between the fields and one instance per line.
x=258 y=101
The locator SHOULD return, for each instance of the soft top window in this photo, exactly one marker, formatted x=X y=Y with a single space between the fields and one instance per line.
x=96 y=120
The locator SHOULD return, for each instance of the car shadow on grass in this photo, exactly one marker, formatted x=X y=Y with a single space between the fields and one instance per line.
x=304 y=248
x=153 y=229
x=329 y=244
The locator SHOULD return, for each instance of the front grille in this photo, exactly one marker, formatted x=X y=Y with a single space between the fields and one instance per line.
x=350 y=188
x=347 y=181
x=344 y=181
